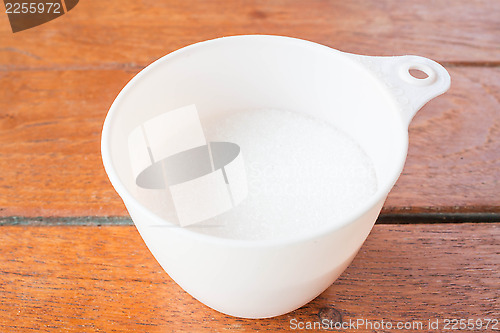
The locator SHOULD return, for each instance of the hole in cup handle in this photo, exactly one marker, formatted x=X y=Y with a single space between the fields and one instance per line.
x=411 y=91
x=419 y=89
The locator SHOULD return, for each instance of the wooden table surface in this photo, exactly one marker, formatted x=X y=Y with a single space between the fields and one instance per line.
x=70 y=259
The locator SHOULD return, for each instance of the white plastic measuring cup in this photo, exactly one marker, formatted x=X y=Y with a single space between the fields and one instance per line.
x=373 y=99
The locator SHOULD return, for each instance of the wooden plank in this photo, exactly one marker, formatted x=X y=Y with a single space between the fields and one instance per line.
x=105 y=34
x=453 y=162
x=50 y=143
x=104 y=279
x=50 y=162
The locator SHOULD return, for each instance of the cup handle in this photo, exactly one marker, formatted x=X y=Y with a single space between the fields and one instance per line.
x=410 y=92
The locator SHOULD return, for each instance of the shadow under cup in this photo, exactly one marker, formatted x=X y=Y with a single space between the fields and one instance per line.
x=263 y=278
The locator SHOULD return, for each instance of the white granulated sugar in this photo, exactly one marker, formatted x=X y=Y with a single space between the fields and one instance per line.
x=302 y=173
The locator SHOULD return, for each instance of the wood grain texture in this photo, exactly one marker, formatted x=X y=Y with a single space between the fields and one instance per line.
x=453 y=162
x=50 y=162
x=107 y=34
x=104 y=279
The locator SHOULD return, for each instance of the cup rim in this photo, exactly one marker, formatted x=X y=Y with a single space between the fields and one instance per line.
x=129 y=200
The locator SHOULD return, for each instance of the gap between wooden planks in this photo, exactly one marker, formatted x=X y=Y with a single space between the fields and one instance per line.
x=104 y=278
